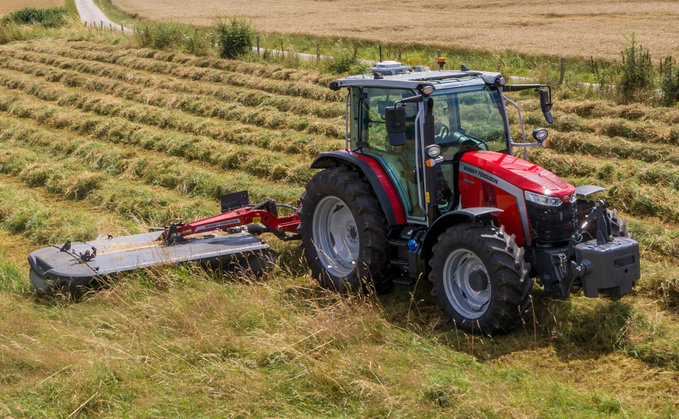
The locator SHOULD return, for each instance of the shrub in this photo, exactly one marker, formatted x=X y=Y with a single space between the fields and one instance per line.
x=160 y=35
x=345 y=62
x=234 y=37
x=669 y=82
x=636 y=72
x=51 y=18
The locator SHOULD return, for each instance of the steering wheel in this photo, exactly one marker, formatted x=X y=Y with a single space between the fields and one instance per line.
x=443 y=131
x=461 y=138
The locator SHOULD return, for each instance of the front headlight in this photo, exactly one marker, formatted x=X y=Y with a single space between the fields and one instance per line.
x=550 y=201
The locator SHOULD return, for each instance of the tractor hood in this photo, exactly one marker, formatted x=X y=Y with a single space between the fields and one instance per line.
x=518 y=172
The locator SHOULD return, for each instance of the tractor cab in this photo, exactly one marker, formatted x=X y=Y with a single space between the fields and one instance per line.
x=415 y=119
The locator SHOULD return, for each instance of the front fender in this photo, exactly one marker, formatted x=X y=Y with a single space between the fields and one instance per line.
x=450 y=219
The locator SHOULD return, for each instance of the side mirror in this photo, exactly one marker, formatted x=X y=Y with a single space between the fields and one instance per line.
x=395 y=117
x=546 y=105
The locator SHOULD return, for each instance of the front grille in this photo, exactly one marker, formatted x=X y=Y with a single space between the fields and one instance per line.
x=552 y=224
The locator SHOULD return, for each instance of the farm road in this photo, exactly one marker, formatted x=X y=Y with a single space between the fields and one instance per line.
x=90 y=13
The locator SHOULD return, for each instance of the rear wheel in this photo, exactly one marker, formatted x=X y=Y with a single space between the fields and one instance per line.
x=480 y=279
x=344 y=231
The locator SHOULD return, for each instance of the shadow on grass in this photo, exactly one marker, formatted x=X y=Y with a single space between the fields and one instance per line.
x=577 y=328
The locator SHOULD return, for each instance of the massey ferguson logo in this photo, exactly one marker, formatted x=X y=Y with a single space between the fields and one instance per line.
x=480 y=174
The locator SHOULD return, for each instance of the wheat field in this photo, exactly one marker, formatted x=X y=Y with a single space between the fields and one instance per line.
x=575 y=28
x=7 y=6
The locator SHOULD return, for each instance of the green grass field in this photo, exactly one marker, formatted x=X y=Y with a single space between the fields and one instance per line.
x=108 y=138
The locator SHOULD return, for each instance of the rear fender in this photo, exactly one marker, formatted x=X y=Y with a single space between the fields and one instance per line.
x=450 y=219
x=376 y=176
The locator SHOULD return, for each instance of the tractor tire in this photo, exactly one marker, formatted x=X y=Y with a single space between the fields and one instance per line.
x=344 y=232
x=480 y=279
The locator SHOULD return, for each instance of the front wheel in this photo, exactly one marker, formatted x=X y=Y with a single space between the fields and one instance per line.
x=480 y=279
x=344 y=232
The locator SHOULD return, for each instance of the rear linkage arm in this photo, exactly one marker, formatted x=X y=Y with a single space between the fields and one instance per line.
x=253 y=219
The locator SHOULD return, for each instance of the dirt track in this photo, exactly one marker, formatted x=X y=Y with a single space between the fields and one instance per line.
x=91 y=14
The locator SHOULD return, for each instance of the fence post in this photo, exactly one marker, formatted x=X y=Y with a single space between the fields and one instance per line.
x=282 y=53
x=110 y=26
x=318 y=51
x=102 y=25
x=399 y=55
x=355 y=50
x=257 y=44
x=563 y=69
x=122 y=29
x=380 y=52
x=438 y=54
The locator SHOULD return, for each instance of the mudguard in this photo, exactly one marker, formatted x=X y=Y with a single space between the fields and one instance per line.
x=448 y=220
x=376 y=176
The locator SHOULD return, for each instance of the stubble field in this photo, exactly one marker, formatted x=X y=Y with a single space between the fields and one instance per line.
x=571 y=28
x=96 y=138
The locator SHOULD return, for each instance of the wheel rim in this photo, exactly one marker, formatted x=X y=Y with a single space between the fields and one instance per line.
x=335 y=236
x=467 y=283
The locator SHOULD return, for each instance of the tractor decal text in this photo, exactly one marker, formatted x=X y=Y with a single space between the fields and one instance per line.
x=220 y=224
x=479 y=174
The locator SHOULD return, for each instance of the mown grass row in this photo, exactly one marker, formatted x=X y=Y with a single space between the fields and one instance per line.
x=595 y=109
x=657 y=130
x=148 y=167
x=611 y=171
x=579 y=143
x=255 y=161
x=150 y=106
x=279 y=87
x=43 y=219
x=269 y=71
x=132 y=82
x=147 y=188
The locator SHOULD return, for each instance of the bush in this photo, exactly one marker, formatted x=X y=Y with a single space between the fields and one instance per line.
x=174 y=36
x=669 y=82
x=234 y=37
x=161 y=36
x=50 y=18
x=636 y=72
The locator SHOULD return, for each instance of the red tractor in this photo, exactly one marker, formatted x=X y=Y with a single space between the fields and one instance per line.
x=427 y=186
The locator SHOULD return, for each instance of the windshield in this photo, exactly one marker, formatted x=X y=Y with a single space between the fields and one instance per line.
x=469 y=115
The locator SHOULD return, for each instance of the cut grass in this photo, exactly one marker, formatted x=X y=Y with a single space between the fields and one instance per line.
x=104 y=136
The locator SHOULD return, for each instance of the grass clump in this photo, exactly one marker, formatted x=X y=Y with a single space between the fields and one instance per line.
x=12 y=278
x=234 y=37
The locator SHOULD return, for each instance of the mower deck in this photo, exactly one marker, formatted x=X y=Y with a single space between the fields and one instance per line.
x=68 y=269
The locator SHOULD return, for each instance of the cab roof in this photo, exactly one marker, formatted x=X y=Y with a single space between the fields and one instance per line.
x=391 y=74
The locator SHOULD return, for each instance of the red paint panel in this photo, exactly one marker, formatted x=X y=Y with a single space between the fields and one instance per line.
x=510 y=218
x=475 y=192
x=521 y=173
